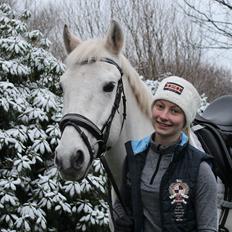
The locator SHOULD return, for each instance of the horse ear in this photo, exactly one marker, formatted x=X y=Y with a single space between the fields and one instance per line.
x=70 y=40
x=114 y=38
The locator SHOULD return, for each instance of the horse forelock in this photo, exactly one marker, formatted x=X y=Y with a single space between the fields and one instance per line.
x=87 y=50
x=96 y=49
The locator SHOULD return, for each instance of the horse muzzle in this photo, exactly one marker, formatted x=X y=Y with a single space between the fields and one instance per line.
x=72 y=167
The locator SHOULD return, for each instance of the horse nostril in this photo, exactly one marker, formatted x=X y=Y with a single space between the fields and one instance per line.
x=77 y=159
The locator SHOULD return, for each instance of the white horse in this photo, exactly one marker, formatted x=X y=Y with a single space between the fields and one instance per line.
x=97 y=79
x=90 y=84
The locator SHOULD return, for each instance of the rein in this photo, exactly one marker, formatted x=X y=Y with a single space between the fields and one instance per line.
x=101 y=135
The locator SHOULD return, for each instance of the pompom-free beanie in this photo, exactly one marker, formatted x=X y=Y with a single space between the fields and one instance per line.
x=181 y=92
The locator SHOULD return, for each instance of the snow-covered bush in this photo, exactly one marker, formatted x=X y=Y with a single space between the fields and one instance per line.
x=32 y=195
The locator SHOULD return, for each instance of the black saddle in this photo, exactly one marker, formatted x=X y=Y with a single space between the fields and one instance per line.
x=218 y=113
x=214 y=130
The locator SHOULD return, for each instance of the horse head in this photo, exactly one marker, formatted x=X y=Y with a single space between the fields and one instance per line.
x=92 y=89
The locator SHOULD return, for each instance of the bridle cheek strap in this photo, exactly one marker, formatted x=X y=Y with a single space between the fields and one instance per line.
x=107 y=126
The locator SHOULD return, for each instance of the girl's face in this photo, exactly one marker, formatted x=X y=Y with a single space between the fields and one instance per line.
x=168 y=121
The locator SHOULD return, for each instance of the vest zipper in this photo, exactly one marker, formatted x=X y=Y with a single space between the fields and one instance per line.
x=156 y=169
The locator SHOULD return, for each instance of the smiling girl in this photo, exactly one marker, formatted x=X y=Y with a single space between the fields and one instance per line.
x=168 y=185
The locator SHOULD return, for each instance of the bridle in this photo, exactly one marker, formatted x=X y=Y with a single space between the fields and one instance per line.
x=79 y=121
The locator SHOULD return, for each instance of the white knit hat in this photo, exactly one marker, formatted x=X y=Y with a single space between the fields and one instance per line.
x=181 y=92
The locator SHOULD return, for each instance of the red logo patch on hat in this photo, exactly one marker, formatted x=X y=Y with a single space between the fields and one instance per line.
x=174 y=87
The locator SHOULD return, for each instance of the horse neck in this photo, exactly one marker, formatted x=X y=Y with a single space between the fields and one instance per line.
x=136 y=126
x=137 y=123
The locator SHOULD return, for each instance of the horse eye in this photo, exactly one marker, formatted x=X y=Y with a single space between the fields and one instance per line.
x=109 y=87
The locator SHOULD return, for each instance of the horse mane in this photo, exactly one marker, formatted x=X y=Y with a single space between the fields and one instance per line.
x=141 y=92
x=96 y=49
